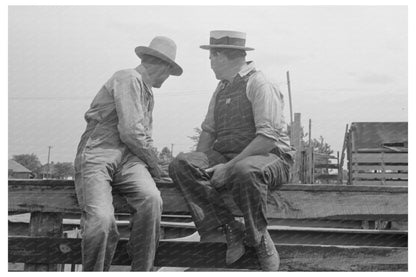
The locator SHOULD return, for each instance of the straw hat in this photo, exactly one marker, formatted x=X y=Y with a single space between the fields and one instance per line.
x=162 y=48
x=227 y=39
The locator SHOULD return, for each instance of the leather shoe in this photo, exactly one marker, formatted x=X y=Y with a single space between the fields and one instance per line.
x=267 y=254
x=234 y=234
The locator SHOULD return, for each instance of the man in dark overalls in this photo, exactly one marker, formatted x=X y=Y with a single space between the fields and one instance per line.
x=115 y=152
x=243 y=150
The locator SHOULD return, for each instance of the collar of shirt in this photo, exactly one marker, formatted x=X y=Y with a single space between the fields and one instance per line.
x=249 y=66
x=145 y=77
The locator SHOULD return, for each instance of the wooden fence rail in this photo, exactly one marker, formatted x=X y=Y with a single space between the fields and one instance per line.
x=50 y=201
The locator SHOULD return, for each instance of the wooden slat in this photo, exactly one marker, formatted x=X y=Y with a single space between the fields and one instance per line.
x=327 y=176
x=209 y=255
x=382 y=183
x=385 y=150
x=286 y=234
x=44 y=224
x=296 y=138
x=290 y=202
x=326 y=166
x=360 y=175
x=379 y=157
x=356 y=167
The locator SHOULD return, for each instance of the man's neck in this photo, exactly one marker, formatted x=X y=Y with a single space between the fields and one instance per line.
x=145 y=75
x=234 y=68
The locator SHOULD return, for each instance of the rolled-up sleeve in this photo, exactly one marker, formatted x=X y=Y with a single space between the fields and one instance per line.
x=267 y=103
x=127 y=92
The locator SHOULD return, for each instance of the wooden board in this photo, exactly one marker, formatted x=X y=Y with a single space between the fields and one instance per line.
x=326 y=166
x=327 y=176
x=290 y=202
x=382 y=183
x=360 y=175
x=395 y=168
x=379 y=157
x=279 y=234
x=210 y=255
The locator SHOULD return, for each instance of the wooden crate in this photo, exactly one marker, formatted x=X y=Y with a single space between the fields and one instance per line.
x=378 y=154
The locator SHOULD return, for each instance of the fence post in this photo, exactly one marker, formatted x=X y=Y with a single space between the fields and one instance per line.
x=296 y=138
x=44 y=225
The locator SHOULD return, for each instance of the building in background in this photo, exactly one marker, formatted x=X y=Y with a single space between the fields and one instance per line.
x=18 y=171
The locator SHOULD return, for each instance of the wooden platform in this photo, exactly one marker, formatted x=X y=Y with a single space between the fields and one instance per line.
x=296 y=202
x=49 y=202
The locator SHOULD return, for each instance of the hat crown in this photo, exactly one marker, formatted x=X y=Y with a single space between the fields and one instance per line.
x=227 y=39
x=217 y=34
x=164 y=45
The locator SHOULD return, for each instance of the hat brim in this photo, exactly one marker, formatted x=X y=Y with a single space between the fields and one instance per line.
x=207 y=47
x=176 y=70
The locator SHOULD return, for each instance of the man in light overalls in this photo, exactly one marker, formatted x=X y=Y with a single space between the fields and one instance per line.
x=116 y=152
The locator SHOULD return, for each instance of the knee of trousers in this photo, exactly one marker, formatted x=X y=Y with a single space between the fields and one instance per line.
x=179 y=162
x=100 y=221
x=244 y=172
x=151 y=202
x=180 y=166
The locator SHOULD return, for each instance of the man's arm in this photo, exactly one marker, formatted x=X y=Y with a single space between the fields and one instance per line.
x=260 y=145
x=267 y=110
x=127 y=96
x=205 y=142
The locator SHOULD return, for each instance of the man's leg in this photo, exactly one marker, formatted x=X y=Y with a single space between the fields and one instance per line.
x=249 y=183
x=135 y=183
x=205 y=204
x=98 y=225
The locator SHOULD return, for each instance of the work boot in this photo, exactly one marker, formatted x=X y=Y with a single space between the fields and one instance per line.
x=234 y=234
x=267 y=254
x=214 y=235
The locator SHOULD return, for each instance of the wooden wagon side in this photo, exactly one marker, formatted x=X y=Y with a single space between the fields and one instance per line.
x=378 y=153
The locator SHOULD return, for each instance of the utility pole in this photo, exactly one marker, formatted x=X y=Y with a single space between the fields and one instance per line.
x=311 y=162
x=49 y=156
x=290 y=97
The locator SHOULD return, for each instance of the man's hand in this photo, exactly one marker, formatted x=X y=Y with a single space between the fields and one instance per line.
x=156 y=172
x=219 y=177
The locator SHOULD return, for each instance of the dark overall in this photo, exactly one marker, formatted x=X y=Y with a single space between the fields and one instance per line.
x=248 y=181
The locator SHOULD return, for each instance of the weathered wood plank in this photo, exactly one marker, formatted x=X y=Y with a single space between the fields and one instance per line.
x=286 y=234
x=384 y=150
x=327 y=176
x=209 y=255
x=379 y=158
x=296 y=138
x=382 y=183
x=394 y=168
x=326 y=166
x=44 y=224
x=361 y=175
x=290 y=202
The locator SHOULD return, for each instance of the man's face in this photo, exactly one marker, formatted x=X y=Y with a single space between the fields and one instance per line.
x=162 y=73
x=218 y=64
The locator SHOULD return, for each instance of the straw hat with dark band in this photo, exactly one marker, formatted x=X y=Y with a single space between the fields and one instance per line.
x=227 y=39
x=162 y=48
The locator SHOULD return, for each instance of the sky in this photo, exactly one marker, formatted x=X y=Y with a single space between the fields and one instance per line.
x=346 y=63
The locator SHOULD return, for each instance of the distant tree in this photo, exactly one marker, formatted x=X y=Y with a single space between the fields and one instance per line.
x=63 y=170
x=30 y=161
x=195 y=138
x=165 y=156
x=321 y=146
